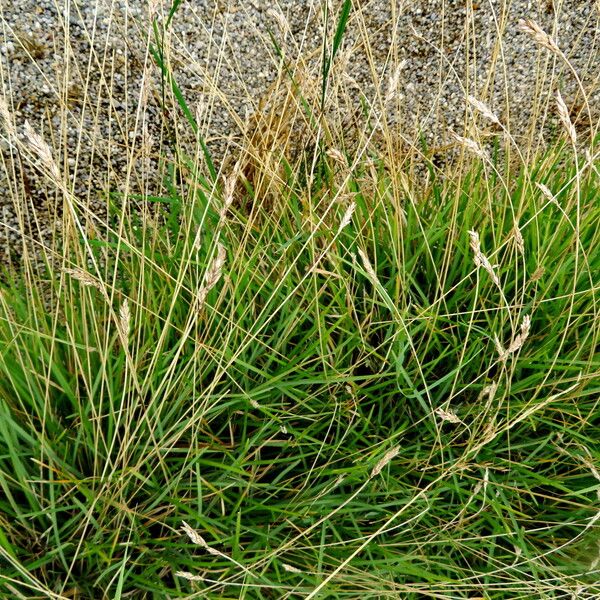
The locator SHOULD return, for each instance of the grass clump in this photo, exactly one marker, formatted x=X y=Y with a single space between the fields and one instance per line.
x=329 y=375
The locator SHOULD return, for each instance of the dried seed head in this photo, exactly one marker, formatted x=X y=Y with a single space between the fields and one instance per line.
x=83 y=277
x=347 y=218
x=470 y=145
x=538 y=274
x=517 y=342
x=189 y=576
x=393 y=82
x=212 y=276
x=547 y=193
x=387 y=457
x=367 y=264
x=490 y=390
x=194 y=536
x=565 y=118
x=229 y=191
x=447 y=415
x=290 y=568
x=519 y=241
x=7 y=118
x=483 y=108
x=153 y=8
x=124 y=320
x=280 y=19
x=336 y=155
x=480 y=259
x=531 y=28
x=39 y=146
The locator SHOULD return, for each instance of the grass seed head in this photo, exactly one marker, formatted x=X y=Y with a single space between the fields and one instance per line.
x=483 y=108
x=547 y=193
x=212 y=275
x=470 y=145
x=347 y=218
x=480 y=259
x=40 y=147
x=125 y=320
x=531 y=28
x=518 y=238
x=565 y=119
x=6 y=116
x=367 y=265
x=83 y=277
x=387 y=458
x=290 y=568
x=447 y=415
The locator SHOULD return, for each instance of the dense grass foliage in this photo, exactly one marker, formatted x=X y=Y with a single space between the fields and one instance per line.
x=349 y=319
x=351 y=369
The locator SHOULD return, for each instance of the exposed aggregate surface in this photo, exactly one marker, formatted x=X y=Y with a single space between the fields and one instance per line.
x=80 y=72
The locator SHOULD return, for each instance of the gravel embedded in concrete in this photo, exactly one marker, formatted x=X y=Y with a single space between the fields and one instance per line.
x=78 y=78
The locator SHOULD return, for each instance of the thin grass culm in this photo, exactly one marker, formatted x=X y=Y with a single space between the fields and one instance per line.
x=299 y=301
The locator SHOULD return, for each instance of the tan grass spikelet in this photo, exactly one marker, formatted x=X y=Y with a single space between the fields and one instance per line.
x=518 y=238
x=447 y=415
x=6 y=117
x=470 y=145
x=483 y=108
x=336 y=155
x=42 y=150
x=83 y=277
x=124 y=320
x=480 y=259
x=290 y=568
x=212 y=276
x=517 y=342
x=565 y=119
x=547 y=193
x=531 y=28
x=347 y=218
x=189 y=576
x=385 y=460
x=367 y=265
x=394 y=80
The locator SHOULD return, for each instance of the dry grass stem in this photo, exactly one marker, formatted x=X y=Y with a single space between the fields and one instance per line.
x=565 y=119
x=531 y=28
x=480 y=259
x=483 y=108
x=387 y=457
x=39 y=146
